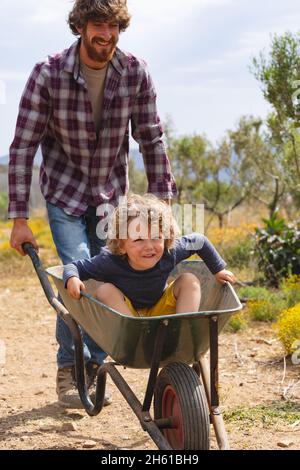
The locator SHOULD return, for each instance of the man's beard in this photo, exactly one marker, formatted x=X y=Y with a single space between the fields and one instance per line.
x=99 y=56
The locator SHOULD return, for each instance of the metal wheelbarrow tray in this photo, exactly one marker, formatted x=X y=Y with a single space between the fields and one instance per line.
x=186 y=397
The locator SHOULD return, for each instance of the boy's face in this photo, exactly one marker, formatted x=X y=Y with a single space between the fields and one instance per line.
x=142 y=253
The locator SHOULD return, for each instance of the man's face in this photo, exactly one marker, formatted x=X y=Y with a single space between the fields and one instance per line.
x=100 y=39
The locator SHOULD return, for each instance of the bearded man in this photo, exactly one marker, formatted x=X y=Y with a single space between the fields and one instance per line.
x=77 y=105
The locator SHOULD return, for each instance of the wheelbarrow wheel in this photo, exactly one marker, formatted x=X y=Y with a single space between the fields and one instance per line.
x=179 y=400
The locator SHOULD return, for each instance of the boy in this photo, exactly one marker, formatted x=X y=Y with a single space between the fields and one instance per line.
x=135 y=267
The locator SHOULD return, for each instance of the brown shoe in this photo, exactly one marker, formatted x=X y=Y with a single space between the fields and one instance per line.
x=66 y=389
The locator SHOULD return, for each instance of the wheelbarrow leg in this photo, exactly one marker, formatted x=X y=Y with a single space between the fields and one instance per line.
x=156 y=358
x=214 y=361
x=215 y=414
x=210 y=378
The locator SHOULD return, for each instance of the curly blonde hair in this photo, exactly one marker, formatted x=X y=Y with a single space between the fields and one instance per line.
x=148 y=208
x=104 y=10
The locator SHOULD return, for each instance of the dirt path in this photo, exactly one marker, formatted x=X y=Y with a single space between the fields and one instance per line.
x=250 y=376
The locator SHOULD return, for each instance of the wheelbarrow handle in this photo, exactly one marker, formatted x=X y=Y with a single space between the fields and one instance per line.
x=29 y=249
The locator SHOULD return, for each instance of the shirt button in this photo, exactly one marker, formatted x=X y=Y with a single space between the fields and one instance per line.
x=92 y=136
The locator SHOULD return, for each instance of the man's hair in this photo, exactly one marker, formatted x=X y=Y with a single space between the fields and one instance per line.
x=154 y=212
x=103 y=10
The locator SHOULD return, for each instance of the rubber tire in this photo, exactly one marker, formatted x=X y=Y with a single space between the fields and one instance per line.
x=192 y=403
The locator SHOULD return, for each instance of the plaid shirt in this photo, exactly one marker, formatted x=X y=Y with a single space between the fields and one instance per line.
x=79 y=169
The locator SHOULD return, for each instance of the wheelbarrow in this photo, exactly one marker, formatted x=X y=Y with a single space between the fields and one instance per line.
x=182 y=384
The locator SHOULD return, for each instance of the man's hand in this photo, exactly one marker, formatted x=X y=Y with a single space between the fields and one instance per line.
x=224 y=275
x=74 y=286
x=20 y=234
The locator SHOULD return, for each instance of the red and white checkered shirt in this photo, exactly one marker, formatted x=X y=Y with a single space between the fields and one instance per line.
x=79 y=169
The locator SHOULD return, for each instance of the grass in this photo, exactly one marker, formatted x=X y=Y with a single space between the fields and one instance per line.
x=268 y=415
x=236 y=323
x=254 y=293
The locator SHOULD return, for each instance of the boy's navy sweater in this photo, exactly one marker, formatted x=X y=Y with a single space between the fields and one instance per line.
x=144 y=288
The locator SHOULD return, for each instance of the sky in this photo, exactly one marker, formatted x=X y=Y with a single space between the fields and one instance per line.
x=198 y=51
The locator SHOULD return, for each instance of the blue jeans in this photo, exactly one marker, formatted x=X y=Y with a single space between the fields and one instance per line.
x=74 y=238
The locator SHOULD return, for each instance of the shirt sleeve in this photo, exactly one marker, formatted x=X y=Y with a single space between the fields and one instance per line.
x=31 y=124
x=198 y=244
x=147 y=131
x=89 y=268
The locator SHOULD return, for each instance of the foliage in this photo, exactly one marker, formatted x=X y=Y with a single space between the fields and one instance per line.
x=268 y=415
x=227 y=184
x=265 y=310
x=266 y=305
x=234 y=243
x=256 y=164
x=287 y=328
x=137 y=179
x=229 y=236
x=278 y=249
x=278 y=73
x=239 y=255
x=291 y=290
x=236 y=323
x=241 y=167
x=3 y=206
x=190 y=158
x=254 y=293
x=262 y=304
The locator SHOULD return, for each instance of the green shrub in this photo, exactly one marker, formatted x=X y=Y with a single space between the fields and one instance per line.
x=291 y=290
x=236 y=323
x=265 y=304
x=254 y=293
x=239 y=255
x=261 y=310
x=277 y=248
x=266 y=309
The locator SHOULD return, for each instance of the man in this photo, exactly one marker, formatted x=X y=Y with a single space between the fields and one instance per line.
x=78 y=105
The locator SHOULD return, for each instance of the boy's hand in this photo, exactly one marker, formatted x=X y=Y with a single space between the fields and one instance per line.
x=224 y=275
x=74 y=286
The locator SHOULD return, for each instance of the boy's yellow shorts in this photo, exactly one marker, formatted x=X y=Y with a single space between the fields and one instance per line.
x=165 y=306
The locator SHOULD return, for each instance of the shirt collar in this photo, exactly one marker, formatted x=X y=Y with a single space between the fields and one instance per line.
x=71 y=63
